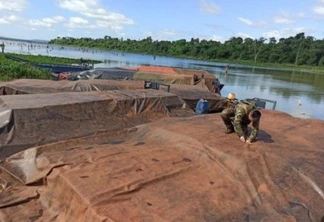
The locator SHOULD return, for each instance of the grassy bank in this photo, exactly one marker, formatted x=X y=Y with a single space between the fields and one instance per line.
x=50 y=59
x=11 y=70
x=304 y=68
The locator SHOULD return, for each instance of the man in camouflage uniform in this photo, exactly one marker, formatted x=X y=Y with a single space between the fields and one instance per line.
x=244 y=113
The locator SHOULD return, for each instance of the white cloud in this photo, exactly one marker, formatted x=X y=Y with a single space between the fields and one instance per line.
x=108 y=24
x=54 y=20
x=283 y=18
x=30 y=28
x=245 y=21
x=3 y=21
x=13 y=5
x=319 y=10
x=251 y=23
x=44 y=22
x=9 y=19
x=302 y=14
x=38 y=23
x=287 y=32
x=92 y=9
x=81 y=6
x=32 y=24
x=209 y=7
x=77 y=22
x=243 y=35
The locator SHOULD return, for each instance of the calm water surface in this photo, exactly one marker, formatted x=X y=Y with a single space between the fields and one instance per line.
x=296 y=93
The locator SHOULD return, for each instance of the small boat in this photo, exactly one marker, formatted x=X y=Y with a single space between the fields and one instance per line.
x=60 y=68
x=261 y=103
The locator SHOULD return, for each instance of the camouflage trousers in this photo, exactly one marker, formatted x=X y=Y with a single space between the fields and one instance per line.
x=228 y=116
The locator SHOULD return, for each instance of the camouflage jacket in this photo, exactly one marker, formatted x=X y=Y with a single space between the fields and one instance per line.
x=241 y=118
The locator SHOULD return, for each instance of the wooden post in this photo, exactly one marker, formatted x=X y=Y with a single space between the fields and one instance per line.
x=2 y=47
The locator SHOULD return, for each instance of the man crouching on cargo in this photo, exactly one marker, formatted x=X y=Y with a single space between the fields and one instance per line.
x=244 y=114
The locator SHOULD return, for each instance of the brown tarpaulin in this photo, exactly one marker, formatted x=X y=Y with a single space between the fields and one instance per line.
x=164 y=78
x=176 y=76
x=34 y=119
x=176 y=169
x=189 y=93
x=32 y=86
x=207 y=78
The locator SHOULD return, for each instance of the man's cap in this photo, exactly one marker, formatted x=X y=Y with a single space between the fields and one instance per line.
x=231 y=96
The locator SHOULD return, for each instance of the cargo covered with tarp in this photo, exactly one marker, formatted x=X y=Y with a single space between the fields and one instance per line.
x=175 y=169
x=192 y=94
x=170 y=75
x=159 y=74
x=116 y=73
x=32 y=86
x=189 y=93
x=35 y=119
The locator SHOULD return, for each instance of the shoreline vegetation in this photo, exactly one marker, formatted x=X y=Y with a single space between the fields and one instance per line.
x=11 y=70
x=288 y=67
x=299 y=53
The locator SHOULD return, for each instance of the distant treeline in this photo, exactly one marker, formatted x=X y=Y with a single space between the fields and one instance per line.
x=298 y=50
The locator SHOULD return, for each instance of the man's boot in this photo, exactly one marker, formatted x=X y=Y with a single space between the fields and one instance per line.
x=227 y=121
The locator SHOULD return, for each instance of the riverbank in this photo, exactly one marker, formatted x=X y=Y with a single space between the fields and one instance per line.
x=52 y=59
x=11 y=70
x=289 y=67
x=260 y=65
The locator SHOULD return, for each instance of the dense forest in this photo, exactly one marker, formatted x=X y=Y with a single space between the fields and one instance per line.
x=298 y=50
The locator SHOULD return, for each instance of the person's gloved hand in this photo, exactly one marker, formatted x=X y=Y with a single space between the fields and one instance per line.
x=242 y=138
x=248 y=141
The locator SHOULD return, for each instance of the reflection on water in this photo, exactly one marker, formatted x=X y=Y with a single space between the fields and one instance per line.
x=299 y=94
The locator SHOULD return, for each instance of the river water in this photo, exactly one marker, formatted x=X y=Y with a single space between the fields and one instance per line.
x=299 y=94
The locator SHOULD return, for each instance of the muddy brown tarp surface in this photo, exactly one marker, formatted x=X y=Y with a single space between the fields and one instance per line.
x=34 y=119
x=189 y=93
x=31 y=86
x=174 y=169
x=160 y=74
x=170 y=75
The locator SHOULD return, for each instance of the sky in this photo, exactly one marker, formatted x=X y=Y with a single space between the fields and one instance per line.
x=171 y=20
